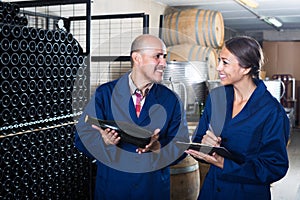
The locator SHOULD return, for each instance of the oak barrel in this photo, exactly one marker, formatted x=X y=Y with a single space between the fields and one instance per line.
x=194 y=26
x=185 y=180
x=203 y=170
x=192 y=52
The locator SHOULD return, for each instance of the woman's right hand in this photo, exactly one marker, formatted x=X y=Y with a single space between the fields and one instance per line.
x=211 y=139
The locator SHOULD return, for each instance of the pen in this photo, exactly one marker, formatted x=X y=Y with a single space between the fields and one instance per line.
x=210 y=127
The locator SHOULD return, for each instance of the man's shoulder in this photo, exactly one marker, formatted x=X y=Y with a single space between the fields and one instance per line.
x=163 y=92
x=164 y=89
x=105 y=85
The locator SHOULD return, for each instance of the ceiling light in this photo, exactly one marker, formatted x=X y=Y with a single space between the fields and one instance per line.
x=275 y=23
x=272 y=21
x=249 y=3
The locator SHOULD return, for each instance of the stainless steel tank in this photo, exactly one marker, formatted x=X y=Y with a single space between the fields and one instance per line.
x=188 y=80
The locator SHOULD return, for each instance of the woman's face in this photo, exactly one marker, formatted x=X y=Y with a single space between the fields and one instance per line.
x=229 y=69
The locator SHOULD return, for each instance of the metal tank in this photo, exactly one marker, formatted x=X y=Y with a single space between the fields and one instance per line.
x=188 y=80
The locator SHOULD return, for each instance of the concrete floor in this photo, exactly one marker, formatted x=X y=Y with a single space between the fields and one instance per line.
x=288 y=188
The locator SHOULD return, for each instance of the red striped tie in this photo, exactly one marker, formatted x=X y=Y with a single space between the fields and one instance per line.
x=138 y=103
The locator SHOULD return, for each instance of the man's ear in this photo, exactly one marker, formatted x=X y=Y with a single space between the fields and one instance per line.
x=136 y=57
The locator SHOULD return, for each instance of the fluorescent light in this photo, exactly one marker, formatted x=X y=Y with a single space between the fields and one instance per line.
x=272 y=21
x=249 y=3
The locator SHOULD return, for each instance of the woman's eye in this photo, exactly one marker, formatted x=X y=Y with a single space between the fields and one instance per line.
x=225 y=62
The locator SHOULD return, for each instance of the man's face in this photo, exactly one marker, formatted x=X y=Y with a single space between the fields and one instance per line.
x=153 y=64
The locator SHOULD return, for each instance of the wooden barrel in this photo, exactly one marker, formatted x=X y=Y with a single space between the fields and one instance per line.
x=185 y=180
x=203 y=169
x=190 y=52
x=194 y=26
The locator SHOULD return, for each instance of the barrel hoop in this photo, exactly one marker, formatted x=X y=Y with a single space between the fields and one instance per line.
x=203 y=55
x=209 y=28
x=170 y=30
x=198 y=52
x=183 y=170
x=177 y=27
x=215 y=41
x=196 y=27
x=169 y=54
x=162 y=32
x=207 y=53
x=191 y=52
x=203 y=28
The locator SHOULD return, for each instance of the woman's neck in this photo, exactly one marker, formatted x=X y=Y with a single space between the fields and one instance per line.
x=243 y=92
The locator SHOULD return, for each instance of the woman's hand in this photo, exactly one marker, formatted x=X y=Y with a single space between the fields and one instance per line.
x=214 y=159
x=211 y=139
x=109 y=136
x=154 y=144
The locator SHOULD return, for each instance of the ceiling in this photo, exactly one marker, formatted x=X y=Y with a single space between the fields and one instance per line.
x=239 y=19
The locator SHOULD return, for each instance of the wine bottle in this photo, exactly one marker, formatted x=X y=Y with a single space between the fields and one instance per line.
x=41 y=34
x=24 y=72
x=25 y=31
x=5 y=44
x=23 y=45
x=23 y=59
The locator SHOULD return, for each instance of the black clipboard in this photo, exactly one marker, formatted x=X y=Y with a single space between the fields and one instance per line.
x=207 y=149
x=129 y=133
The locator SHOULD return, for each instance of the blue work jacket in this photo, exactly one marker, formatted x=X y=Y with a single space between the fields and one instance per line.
x=121 y=172
x=257 y=137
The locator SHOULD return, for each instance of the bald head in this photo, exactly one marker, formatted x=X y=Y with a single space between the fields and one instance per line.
x=148 y=60
x=147 y=42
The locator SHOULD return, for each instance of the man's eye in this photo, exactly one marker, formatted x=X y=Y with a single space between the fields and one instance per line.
x=160 y=55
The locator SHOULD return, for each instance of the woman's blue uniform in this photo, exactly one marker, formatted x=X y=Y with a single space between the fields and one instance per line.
x=257 y=136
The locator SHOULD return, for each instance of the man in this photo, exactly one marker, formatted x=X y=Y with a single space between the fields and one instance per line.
x=125 y=171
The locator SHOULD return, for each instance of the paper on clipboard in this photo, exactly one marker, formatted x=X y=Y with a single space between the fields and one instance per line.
x=207 y=149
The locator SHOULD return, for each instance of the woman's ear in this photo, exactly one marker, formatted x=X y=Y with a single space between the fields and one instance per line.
x=247 y=70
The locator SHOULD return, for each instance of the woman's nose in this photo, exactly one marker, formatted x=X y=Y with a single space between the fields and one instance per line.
x=219 y=66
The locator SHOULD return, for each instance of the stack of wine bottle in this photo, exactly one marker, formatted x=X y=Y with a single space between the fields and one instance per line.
x=38 y=74
x=9 y=13
x=43 y=165
x=42 y=85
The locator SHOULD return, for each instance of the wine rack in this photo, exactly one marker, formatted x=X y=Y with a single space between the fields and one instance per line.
x=41 y=71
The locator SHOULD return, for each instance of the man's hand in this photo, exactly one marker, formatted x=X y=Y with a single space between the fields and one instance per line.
x=109 y=136
x=154 y=144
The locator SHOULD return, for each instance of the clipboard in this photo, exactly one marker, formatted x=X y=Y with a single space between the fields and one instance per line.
x=129 y=133
x=207 y=149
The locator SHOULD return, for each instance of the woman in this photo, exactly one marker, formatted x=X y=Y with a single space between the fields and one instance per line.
x=247 y=120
